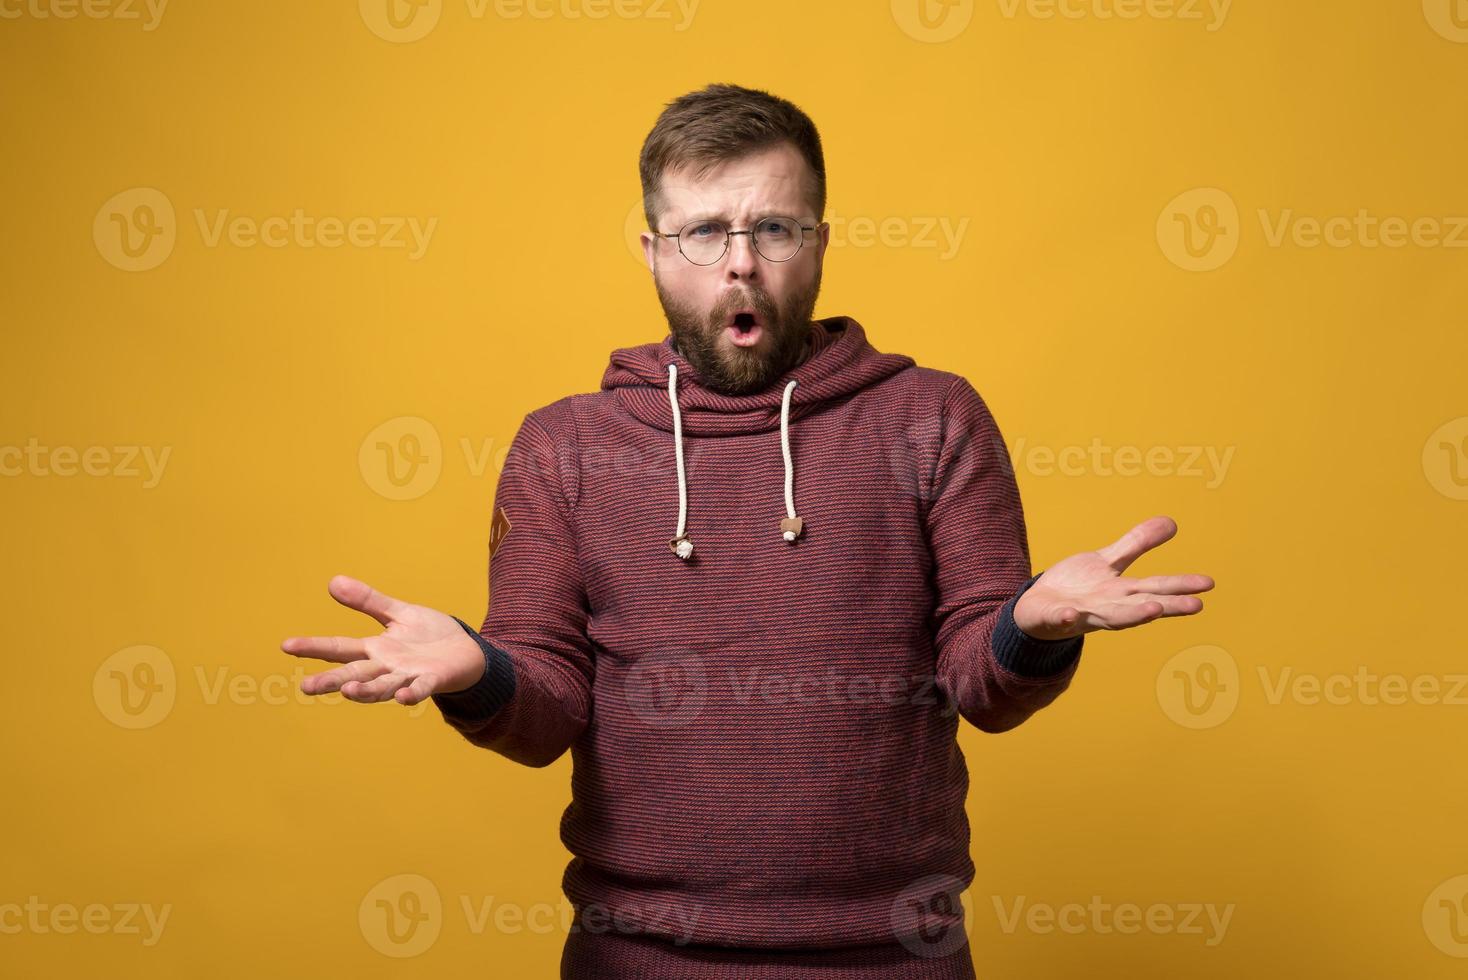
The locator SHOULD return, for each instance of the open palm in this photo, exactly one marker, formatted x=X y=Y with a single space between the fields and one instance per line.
x=1087 y=591
x=421 y=652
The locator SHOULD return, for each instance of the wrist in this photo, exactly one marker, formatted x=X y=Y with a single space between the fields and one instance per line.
x=469 y=658
x=491 y=690
x=1027 y=655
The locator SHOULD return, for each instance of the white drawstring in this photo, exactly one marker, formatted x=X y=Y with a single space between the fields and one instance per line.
x=790 y=527
x=786 y=530
x=680 y=544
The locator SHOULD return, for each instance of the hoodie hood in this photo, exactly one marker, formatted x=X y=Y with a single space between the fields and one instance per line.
x=657 y=386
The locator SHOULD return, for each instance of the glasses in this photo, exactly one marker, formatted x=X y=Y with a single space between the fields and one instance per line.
x=704 y=242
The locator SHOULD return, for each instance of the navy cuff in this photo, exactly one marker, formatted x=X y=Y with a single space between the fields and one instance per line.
x=490 y=693
x=1020 y=653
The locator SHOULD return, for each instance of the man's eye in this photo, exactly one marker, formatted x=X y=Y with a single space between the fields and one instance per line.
x=703 y=230
x=774 y=228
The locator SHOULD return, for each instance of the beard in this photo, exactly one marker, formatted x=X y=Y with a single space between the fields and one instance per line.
x=733 y=370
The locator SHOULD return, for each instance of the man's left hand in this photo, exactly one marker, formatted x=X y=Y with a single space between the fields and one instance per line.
x=1087 y=592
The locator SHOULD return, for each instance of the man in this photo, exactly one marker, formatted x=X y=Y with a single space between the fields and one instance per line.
x=752 y=584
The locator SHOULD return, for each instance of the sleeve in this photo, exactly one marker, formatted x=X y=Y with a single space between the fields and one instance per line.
x=992 y=671
x=534 y=697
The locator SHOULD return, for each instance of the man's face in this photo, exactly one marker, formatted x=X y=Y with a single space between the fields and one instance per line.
x=701 y=302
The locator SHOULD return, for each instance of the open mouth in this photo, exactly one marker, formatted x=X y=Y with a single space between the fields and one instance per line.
x=744 y=321
x=744 y=328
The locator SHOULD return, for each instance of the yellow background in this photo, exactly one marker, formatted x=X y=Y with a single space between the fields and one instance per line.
x=270 y=824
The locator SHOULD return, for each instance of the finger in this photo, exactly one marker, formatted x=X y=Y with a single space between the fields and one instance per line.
x=378 y=689
x=421 y=688
x=358 y=595
x=334 y=680
x=1169 y=584
x=337 y=649
x=1143 y=609
x=1139 y=540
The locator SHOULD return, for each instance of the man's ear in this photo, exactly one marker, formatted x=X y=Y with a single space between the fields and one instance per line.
x=823 y=233
x=650 y=249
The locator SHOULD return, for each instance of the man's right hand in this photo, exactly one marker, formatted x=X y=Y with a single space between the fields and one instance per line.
x=421 y=652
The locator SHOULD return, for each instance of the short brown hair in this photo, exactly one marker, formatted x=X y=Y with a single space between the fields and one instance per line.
x=720 y=123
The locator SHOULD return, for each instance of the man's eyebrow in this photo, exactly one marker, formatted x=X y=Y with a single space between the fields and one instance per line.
x=724 y=217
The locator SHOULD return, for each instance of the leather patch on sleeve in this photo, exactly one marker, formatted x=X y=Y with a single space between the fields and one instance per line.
x=498 y=528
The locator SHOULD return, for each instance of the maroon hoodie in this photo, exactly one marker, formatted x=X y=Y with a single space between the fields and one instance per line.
x=762 y=730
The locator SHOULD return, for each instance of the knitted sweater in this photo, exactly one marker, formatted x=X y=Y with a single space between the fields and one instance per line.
x=762 y=729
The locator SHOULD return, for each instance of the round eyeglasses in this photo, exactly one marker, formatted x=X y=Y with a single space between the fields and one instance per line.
x=704 y=241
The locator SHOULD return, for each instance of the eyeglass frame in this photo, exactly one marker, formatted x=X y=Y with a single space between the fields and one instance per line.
x=729 y=237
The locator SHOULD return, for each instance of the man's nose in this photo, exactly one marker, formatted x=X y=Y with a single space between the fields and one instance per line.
x=742 y=262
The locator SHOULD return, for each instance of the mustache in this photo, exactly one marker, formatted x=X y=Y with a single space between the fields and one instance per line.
x=761 y=302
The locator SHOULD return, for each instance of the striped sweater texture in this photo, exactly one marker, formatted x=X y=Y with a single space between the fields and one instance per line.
x=763 y=734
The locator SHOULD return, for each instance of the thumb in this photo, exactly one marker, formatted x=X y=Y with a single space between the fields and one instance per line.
x=356 y=594
x=411 y=694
